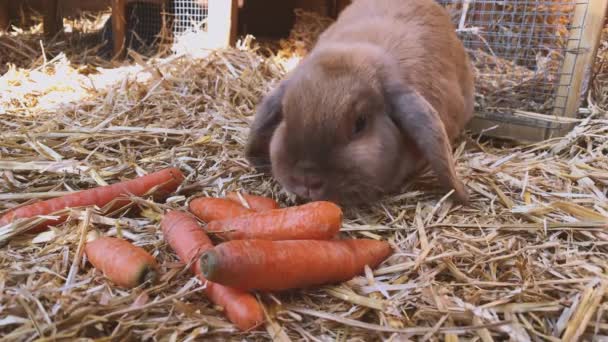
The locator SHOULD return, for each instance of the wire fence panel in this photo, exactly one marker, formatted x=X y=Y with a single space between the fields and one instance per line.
x=517 y=46
x=518 y=49
x=189 y=15
x=145 y=23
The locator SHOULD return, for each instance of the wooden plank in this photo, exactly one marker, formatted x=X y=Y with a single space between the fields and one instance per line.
x=222 y=23
x=523 y=127
x=234 y=21
x=119 y=27
x=587 y=24
x=331 y=8
x=4 y=15
x=52 y=21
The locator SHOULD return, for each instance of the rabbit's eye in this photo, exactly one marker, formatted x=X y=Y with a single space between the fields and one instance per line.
x=360 y=124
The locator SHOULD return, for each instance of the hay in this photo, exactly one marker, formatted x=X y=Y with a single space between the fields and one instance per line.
x=23 y=47
x=527 y=259
x=599 y=85
x=502 y=85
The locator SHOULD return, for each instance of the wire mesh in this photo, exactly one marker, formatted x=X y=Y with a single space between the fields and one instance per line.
x=189 y=15
x=517 y=46
x=518 y=49
x=152 y=22
x=146 y=27
x=145 y=22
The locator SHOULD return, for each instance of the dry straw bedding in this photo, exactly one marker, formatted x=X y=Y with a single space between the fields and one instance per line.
x=527 y=259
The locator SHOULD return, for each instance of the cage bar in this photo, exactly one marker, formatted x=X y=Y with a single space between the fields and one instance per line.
x=4 y=15
x=119 y=27
x=222 y=22
x=52 y=23
x=578 y=64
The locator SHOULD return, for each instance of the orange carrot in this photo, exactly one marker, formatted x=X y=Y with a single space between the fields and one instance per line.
x=257 y=203
x=312 y=221
x=210 y=209
x=120 y=261
x=188 y=240
x=281 y=265
x=168 y=180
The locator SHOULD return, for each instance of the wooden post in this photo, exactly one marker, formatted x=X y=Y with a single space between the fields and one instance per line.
x=4 y=15
x=577 y=69
x=222 y=23
x=331 y=8
x=234 y=22
x=520 y=126
x=119 y=27
x=341 y=5
x=334 y=7
x=52 y=21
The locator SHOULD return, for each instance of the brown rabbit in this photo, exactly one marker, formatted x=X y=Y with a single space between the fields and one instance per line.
x=386 y=90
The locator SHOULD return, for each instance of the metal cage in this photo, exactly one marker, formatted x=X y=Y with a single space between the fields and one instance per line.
x=151 y=21
x=533 y=58
x=528 y=56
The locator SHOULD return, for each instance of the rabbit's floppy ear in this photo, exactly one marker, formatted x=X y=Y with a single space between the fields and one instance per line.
x=417 y=118
x=268 y=116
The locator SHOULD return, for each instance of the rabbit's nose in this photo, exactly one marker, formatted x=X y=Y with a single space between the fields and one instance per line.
x=309 y=181
x=309 y=186
x=315 y=187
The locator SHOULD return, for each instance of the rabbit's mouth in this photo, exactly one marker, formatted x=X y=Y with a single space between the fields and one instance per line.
x=309 y=192
x=351 y=195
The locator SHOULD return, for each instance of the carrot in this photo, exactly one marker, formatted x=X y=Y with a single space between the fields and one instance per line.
x=312 y=221
x=188 y=240
x=120 y=261
x=210 y=209
x=257 y=203
x=168 y=180
x=280 y=265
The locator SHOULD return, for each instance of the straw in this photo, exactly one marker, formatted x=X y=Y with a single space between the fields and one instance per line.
x=527 y=259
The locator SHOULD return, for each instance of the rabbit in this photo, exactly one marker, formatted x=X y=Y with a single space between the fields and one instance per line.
x=383 y=93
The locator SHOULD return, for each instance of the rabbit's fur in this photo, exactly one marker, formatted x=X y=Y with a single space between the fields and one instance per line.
x=384 y=92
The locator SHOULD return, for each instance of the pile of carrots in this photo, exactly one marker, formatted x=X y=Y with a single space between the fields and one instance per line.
x=265 y=247
x=261 y=245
